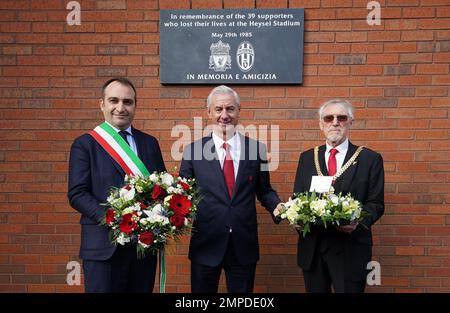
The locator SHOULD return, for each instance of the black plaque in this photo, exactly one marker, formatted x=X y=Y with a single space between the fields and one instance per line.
x=248 y=46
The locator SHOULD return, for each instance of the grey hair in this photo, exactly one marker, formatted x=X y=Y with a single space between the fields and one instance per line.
x=222 y=89
x=344 y=103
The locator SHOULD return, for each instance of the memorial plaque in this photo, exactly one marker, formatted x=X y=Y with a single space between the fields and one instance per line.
x=246 y=46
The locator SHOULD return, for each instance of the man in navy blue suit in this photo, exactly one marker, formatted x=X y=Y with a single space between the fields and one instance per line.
x=231 y=171
x=92 y=172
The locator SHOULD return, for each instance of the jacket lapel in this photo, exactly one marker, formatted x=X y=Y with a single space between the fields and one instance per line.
x=139 y=140
x=214 y=165
x=243 y=162
x=344 y=181
x=322 y=164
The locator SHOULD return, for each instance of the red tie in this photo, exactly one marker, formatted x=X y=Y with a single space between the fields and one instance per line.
x=228 y=169
x=332 y=162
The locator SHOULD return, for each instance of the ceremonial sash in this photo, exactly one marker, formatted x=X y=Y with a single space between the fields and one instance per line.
x=119 y=150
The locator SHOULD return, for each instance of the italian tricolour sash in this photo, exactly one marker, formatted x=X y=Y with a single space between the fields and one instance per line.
x=119 y=150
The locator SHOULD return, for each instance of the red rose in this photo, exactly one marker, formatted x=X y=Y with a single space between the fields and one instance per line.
x=158 y=192
x=185 y=186
x=142 y=205
x=177 y=220
x=128 y=224
x=180 y=204
x=146 y=238
x=110 y=218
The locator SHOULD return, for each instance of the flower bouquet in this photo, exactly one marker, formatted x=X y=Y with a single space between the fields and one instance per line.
x=306 y=209
x=148 y=211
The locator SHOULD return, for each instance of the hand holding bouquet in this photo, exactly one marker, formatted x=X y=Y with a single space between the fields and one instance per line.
x=307 y=209
x=149 y=211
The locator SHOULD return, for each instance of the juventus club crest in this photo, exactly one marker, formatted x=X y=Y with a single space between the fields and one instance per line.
x=220 y=59
x=245 y=56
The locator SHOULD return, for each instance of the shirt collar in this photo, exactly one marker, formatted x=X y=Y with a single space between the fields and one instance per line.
x=128 y=130
x=343 y=147
x=233 y=141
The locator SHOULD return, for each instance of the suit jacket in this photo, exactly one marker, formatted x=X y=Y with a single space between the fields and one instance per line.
x=217 y=211
x=92 y=173
x=365 y=181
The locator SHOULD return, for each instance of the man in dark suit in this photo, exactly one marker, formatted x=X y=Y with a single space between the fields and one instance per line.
x=337 y=256
x=230 y=170
x=92 y=172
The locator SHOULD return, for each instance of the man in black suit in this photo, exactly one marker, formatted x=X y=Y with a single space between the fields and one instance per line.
x=230 y=170
x=337 y=256
x=97 y=164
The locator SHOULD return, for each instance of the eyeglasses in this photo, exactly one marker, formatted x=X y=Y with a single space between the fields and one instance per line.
x=330 y=118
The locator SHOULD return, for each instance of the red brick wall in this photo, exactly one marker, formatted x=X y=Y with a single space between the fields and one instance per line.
x=396 y=74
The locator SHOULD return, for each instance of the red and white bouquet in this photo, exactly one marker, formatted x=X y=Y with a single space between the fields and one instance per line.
x=149 y=211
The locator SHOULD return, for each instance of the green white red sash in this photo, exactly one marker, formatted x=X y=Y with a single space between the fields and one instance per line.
x=119 y=150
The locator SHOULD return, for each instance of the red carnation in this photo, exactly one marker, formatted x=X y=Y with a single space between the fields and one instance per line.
x=158 y=192
x=180 y=204
x=185 y=186
x=128 y=224
x=146 y=238
x=177 y=220
x=110 y=218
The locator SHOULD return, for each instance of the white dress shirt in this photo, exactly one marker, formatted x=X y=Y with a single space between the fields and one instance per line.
x=234 y=144
x=340 y=156
x=130 y=137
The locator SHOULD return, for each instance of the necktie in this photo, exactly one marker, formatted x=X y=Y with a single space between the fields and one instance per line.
x=228 y=169
x=124 y=134
x=332 y=162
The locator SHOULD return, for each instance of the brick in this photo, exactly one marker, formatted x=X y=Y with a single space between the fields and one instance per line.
x=432 y=69
x=238 y=4
x=400 y=47
x=126 y=60
x=415 y=80
x=111 y=5
x=384 y=36
x=112 y=50
x=111 y=71
x=399 y=92
x=350 y=59
x=110 y=27
x=408 y=35
x=270 y=3
x=382 y=103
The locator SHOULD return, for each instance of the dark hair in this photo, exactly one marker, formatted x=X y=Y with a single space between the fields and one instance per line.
x=122 y=80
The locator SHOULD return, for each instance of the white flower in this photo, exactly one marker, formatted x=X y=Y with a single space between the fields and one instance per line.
x=167 y=199
x=171 y=190
x=318 y=207
x=156 y=214
x=292 y=215
x=128 y=210
x=126 y=194
x=139 y=189
x=122 y=239
x=167 y=179
x=153 y=177
x=334 y=199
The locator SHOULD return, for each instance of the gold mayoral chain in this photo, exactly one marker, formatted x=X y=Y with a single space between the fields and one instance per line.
x=343 y=168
